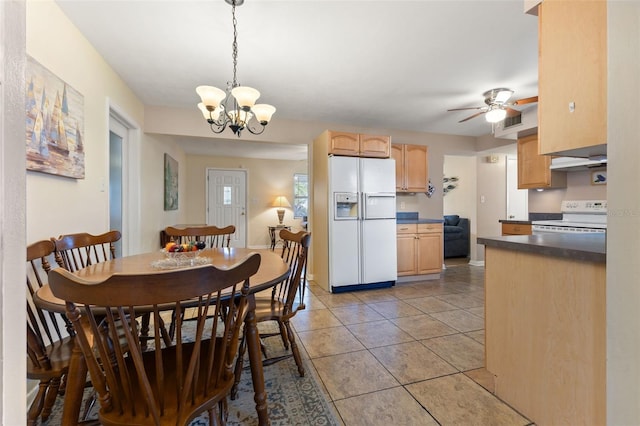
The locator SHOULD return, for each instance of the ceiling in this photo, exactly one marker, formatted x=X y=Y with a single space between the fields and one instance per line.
x=375 y=64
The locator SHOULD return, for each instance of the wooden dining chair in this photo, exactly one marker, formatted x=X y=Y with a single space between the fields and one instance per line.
x=48 y=345
x=213 y=236
x=171 y=384
x=287 y=298
x=77 y=251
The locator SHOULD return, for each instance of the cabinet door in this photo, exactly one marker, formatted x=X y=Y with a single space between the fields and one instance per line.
x=533 y=168
x=375 y=146
x=572 y=76
x=429 y=253
x=415 y=159
x=406 y=250
x=397 y=152
x=342 y=143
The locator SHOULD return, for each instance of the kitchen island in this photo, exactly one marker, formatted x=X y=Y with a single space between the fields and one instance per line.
x=545 y=325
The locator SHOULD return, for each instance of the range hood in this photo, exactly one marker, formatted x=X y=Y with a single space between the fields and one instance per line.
x=575 y=164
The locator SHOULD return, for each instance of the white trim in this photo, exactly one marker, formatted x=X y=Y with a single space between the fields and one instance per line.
x=131 y=220
x=476 y=263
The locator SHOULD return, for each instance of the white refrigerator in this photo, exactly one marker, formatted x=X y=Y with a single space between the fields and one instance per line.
x=362 y=223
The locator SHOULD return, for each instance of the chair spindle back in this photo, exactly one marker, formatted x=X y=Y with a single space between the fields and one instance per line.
x=171 y=384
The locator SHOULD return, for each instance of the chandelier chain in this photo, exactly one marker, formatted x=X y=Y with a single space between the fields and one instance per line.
x=234 y=52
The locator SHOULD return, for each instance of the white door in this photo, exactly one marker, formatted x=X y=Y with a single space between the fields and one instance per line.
x=117 y=141
x=517 y=199
x=227 y=202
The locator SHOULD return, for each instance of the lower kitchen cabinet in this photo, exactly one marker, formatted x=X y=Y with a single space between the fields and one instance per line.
x=516 y=229
x=420 y=249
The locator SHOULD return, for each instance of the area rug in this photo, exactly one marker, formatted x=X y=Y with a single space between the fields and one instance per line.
x=291 y=399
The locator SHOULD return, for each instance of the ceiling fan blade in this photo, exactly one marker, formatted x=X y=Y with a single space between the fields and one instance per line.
x=526 y=101
x=472 y=116
x=463 y=109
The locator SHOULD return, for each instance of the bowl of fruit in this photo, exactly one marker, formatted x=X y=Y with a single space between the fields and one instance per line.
x=184 y=253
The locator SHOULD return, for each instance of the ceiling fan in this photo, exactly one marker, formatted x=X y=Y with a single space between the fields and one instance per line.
x=497 y=107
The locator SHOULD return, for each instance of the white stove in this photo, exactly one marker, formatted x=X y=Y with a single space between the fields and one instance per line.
x=579 y=217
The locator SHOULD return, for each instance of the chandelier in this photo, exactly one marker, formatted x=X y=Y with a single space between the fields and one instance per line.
x=235 y=108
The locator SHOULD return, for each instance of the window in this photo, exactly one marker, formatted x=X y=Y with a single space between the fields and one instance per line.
x=300 y=195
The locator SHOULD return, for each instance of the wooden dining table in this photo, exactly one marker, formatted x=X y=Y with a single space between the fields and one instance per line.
x=272 y=271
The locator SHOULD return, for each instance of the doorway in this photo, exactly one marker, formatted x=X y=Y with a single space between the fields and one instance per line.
x=117 y=133
x=124 y=180
x=517 y=199
x=227 y=202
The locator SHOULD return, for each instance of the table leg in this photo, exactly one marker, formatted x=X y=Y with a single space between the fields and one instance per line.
x=255 y=360
x=76 y=379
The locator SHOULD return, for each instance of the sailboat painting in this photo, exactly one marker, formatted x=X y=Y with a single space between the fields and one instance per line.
x=54 y=123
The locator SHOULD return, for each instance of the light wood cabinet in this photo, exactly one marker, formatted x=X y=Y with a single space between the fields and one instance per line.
x=516 y=229
x=572 y=77
x=411 y=167
x=420 y=249
x=545 y=340
x=357 y=145
x=533 y=168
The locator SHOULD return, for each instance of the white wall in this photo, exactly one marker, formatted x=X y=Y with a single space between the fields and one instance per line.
x=266 y=179
x=579 y=187
x=58 y=205
x=623 y=226
x=12 y=213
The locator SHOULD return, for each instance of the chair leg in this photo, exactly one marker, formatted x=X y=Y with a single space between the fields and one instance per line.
x=283 y=335
x=37 y=404
x=50 y=397
x=294 y=349
x=238 y=369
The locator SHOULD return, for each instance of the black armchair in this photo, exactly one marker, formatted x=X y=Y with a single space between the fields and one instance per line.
x=456 y=236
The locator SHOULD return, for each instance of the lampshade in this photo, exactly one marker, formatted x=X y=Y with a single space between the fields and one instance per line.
x=211 y=95
x=281 y=201
x=263 y=112
x=495 y=114
x=245 y=96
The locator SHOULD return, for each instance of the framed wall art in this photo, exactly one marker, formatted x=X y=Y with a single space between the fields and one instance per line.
x=170 y=183
x=54 y=123
x=599 y=177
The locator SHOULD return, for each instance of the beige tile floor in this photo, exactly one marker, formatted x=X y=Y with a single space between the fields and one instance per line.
x=412 y=354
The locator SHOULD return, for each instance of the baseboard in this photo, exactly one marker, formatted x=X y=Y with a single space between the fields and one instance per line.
x=476 y=263
x=411 y=278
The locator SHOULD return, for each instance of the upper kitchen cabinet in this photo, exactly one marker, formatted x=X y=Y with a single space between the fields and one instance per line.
x=411 y=167
x=357 y=145
x=533 y=168
x=572 y=77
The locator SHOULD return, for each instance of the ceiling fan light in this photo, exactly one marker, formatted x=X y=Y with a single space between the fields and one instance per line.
x=503 y=96
x=495 y=114
x=263 y=112
x=211 y=96
x=245 y=96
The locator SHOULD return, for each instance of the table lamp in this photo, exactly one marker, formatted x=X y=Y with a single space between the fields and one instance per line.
x=280 y=202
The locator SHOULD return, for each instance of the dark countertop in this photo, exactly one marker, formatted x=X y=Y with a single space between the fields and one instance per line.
x=532 y=217
x=581 y=247
x=405 y=218
x=515 y=222
x=409 y=221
